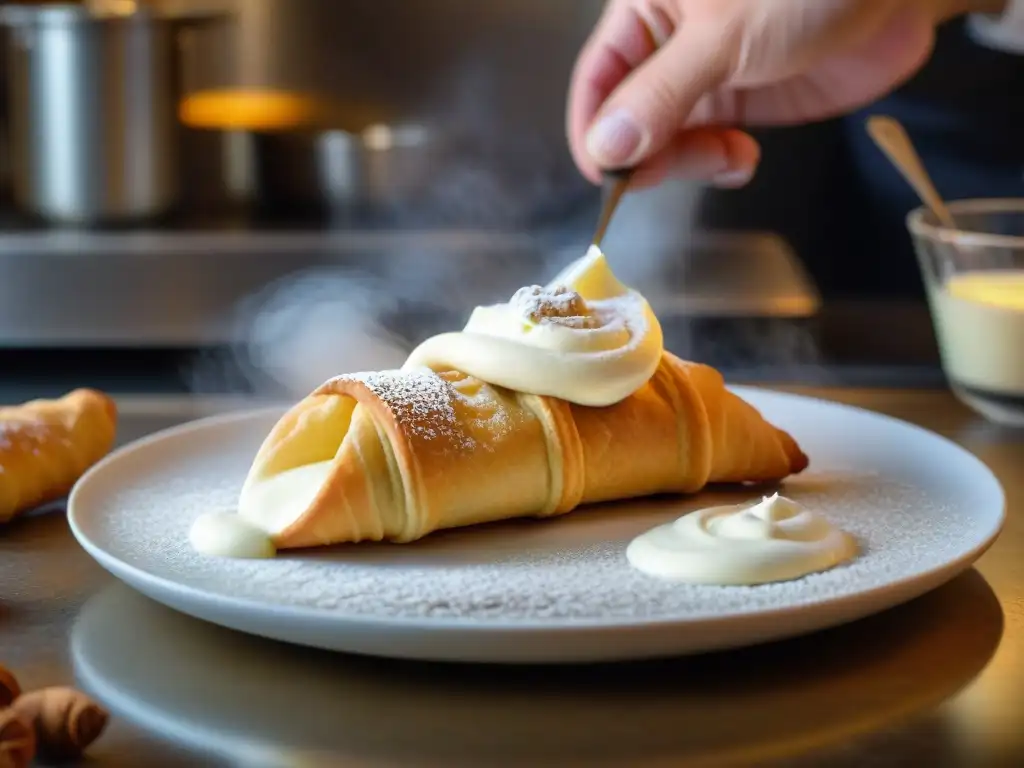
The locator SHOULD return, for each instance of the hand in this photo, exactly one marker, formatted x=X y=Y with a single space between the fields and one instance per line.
x=661 y=83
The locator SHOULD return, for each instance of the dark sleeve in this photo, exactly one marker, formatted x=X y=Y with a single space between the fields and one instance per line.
x=836 y=198
x=965 y=116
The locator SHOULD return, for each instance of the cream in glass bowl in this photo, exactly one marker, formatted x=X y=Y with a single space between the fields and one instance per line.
x=974 y=278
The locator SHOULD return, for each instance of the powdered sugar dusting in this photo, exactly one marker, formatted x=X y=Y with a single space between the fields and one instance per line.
x=29 y=433
x=556 y=571
x=423 y=404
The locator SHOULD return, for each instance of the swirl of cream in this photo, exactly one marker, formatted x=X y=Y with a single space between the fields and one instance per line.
x=774 y=540
x=585 y=338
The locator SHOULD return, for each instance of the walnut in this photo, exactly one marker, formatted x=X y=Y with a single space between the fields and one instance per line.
x=558 y=305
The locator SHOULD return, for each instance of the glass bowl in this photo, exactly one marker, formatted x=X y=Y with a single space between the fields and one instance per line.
x=974 y=278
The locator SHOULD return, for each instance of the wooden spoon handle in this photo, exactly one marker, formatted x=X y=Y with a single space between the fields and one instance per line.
x=892 y=139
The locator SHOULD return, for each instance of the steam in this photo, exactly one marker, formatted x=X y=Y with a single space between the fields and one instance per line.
x=318 y=323
x=652 y=231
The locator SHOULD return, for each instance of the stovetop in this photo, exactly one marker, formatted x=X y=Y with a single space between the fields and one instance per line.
x=192 y=288
x=846 y=344
x=218 y=308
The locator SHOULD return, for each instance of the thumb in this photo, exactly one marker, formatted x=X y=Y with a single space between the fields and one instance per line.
x=653 y=102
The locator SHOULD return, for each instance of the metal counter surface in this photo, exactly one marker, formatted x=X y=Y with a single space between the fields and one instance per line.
x=937 y=682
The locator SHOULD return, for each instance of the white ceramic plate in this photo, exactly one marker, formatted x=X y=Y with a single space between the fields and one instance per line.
x=559 y=590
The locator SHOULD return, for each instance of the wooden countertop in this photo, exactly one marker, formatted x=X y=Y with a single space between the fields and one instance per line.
x=939 y=681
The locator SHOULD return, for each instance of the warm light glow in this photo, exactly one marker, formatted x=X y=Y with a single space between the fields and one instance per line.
x=249 y=110
x=112 y=7
x=986 y=715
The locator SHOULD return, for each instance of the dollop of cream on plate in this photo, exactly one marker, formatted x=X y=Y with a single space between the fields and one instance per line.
x=585 y=338
x=775 y=539
x=264 y=509
x=228 y=534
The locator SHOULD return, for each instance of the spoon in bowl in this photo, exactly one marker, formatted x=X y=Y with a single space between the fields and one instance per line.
x=893 y=140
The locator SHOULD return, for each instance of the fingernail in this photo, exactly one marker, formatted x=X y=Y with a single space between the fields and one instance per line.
x=737 y=178
x=615 y=140
x=658 y=24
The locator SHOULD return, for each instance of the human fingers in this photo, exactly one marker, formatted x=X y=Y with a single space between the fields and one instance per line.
x=652 y=102
x=725 y=157
x=620 y=42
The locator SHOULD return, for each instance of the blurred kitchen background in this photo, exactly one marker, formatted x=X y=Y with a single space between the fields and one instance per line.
x=242 y=196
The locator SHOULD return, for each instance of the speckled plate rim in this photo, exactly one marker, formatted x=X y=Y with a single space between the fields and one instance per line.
x=554 y=641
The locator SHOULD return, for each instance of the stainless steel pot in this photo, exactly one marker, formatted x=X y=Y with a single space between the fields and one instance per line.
x=405 y=176
x=488 y=79
x=93 y=109
x=335 y=173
